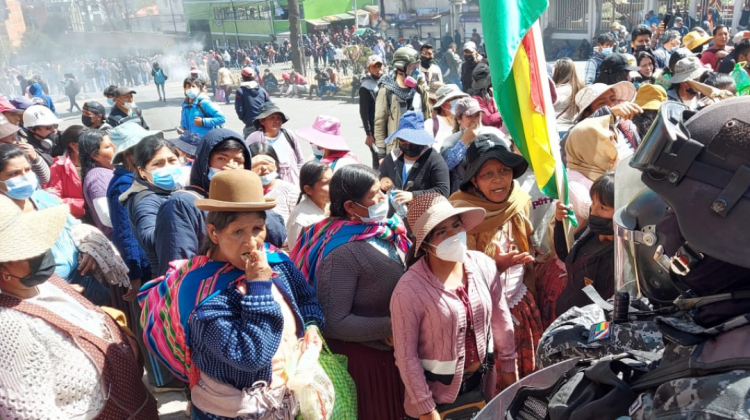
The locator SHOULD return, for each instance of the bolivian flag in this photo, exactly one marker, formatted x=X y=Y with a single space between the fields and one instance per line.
x=519 y=77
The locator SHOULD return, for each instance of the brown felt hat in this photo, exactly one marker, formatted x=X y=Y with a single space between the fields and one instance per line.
x=237 y=190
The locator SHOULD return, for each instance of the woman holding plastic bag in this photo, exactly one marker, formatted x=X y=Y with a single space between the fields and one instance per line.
x=244 y=335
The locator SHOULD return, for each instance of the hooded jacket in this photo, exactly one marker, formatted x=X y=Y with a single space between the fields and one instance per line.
x=248 y=100
x=181 y=226
x=36 y=91
x=205 y=109
x=122 y=235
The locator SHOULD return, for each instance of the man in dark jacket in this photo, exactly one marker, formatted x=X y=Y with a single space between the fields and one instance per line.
x=180 y=225
x=125 y=109
x=471 y=59
x=368 y=92
x=213 y=72
x=248 y=100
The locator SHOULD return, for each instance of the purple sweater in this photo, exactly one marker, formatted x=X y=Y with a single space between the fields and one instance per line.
x=429 y=330
x=95 y=192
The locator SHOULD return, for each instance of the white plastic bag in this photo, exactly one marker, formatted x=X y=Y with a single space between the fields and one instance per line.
x=311 y=385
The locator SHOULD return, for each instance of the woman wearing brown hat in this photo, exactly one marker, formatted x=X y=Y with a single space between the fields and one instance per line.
x=62 y=356
x=505 y=234
x=245 y=332
x=444 y=311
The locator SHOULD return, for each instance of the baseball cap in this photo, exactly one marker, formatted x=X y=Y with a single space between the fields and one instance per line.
x=122 y=90
x=616 y=63
x=467 y=106
x=248 y=72
x=374 y=59
x=94 y=107
x=471 y=46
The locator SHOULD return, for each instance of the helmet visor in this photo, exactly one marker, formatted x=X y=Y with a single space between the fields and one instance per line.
x=661 y=139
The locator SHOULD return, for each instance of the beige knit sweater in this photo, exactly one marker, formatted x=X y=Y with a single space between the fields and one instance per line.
x=43 y=374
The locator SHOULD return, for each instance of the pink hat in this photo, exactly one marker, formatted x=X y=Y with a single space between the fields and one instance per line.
x=6 y=106
x=325 y=133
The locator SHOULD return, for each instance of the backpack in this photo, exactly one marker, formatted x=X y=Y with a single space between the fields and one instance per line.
x=159 y=77
x=74 y=87
x=168 y=302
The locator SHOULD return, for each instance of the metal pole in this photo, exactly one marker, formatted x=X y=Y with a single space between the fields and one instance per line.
x=174 y=22
x=271 y=15
x=236 y=31
x=356 y=16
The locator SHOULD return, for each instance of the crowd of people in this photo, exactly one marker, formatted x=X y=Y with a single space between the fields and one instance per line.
x=214 y=260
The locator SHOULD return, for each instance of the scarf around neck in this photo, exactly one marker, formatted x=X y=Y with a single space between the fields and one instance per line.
x=389 y=82
x=318 y=240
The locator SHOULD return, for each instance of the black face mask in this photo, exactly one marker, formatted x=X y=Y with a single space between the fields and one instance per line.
x=600 y=225
x=42 y=268
x=411 y=150
x=86 y=120
x=469 y=58
x=426 y=62
x=640 y=48
x=691 y=92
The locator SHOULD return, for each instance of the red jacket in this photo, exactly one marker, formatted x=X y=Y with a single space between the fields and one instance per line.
x=491 y=116
x=65 y=182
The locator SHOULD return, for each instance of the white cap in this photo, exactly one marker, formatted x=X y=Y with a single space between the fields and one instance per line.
x=471 y=46
x=37 y=115
x=374 y=59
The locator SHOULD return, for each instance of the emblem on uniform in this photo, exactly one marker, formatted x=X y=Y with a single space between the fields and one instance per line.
x=599 y=332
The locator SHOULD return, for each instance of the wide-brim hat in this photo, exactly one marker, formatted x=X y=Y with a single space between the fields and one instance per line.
x=325 y=133
x=694 y=40
x=127 y=135
x=624 y=91
x=429 y=210
x=448 y=92
x=187 y=143
x=236 y=190
x=27 y=235
x=411 y=129
x=266 y=110
x=650 y=97
x=689 y=68
x=486 y=147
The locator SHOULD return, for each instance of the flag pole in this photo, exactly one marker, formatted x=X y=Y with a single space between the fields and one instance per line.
x=554 y=135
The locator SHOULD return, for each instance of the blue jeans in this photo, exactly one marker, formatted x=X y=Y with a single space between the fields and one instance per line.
x=326 y=88
x=94 y=291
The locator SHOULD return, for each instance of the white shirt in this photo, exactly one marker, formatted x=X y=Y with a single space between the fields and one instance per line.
x=281 y=146
x=305 y=214
x=443 y=132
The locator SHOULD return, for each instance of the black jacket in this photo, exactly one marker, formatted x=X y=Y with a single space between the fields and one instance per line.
x=588 y=259
x=429 y=173
x=368 y=92
x=117 y=117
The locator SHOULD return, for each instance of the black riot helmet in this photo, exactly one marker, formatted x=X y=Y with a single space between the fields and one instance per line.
x=699 y=164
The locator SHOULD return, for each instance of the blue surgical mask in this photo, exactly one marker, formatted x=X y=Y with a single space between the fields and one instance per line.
x=21 y=187
x=110 y=102
x=269 y=178
x=167 y=178
x=607 y=51
x=192 y=93
x=212 y=172
x=316 y=150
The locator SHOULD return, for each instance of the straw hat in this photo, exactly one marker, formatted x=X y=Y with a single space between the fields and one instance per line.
x=430 y=209
x=650 y=97
x=624 y=91
x=237 y=190
x=27 y=235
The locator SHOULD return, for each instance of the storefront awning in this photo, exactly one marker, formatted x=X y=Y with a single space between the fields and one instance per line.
x=317 y=23
x=338 y=18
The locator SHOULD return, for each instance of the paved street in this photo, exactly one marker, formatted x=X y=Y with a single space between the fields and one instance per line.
x=301 y=112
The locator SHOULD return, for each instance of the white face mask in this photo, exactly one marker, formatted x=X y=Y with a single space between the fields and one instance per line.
x=378 y=212
x=129 y=105
x=452 y=249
